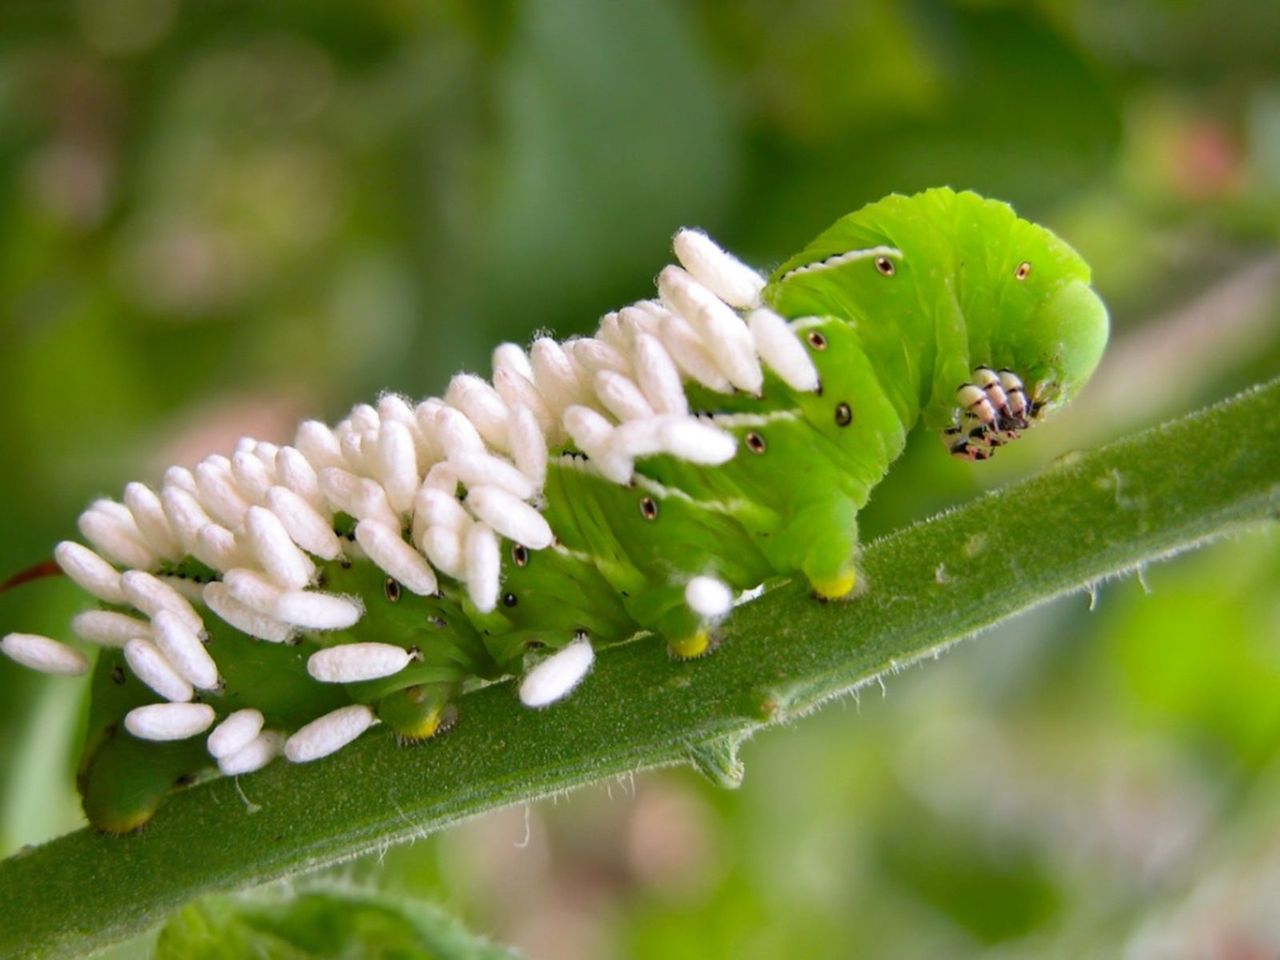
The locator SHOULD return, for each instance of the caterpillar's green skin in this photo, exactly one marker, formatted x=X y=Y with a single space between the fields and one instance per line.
x=896 y=348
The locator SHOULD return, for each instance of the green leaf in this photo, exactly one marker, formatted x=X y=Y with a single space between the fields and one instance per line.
x=1090 y=516
x=318 y=925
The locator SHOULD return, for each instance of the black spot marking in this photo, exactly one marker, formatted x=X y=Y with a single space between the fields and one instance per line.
x=509 y=600
x=391 y=587
x=886 y=266
x=755 y=442
x=649 y=508
x=519 y=555
x=117 y=675
x=816 y=340
x=844 y=415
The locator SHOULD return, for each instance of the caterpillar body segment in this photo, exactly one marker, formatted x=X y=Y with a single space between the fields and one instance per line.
x=638 y=480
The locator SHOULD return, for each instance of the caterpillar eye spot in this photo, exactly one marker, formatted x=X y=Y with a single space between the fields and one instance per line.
x=844 y=415
x=886 y=266
x=817 y=340
x=755 y=442
x=1023 y=271
x=391 y=587
x=509 y=600
x=649 y=508
x=520 y=555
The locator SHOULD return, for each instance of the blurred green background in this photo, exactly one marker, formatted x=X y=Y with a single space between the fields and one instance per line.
x=216 y=218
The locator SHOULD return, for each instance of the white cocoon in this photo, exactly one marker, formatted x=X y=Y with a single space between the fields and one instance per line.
x=557 y=675
x=328 y=733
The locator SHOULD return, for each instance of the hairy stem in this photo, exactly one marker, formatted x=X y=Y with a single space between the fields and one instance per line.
x=1089 y=516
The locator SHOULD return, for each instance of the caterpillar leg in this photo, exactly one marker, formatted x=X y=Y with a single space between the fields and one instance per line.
x=421 y=711
x=835 y=586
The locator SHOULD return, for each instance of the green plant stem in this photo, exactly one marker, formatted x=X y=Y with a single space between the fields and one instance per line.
x=1089 y=516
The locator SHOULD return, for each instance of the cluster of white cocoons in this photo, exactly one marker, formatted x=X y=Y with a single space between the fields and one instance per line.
x=263 y=516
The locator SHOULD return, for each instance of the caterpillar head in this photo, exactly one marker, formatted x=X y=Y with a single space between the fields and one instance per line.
x=1035 y=326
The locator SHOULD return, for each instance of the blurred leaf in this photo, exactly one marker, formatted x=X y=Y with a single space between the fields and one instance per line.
x=318 y=925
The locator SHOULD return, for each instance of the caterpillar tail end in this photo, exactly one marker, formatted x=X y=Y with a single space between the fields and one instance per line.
x=839 y=587
x=419 y=712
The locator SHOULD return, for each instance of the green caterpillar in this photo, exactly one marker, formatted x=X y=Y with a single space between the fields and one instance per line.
x=287 y=598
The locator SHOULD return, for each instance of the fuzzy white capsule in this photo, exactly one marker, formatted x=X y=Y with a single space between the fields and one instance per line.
x=169 y=721
x=519 y=393
x=251 y=475
x=253 y=588
x=621 y=397
x=44 y=654
x=509 y=356
x=657 y=376
x=482 y=405
x=315 y=441
x=595 y=355
x=154 y=669
x=355 y=662
x=720 y=272
x=218 y=493
x=396 y=462
x=150 y=594
x=234 y=733
x=181 y=478
x=184 y=514
x=183 y=649
x=439 y=509
x=719 y=327
x=107 y=628
x=555 y=677
x=394 y=408
x=328 y=734
x=275 y=549
x=554 y=374
x=304 y=524
x=89 y=571
x=708 y=597
x=296 y=473
x=528 y=443
x=360 y=497
x=217 y=547
x=312 y=610
x=243 y=618
x=148 y=513
x=388 y=550
x=510 y=516
x=453 y=432
x=685 y=346
x=444 y=548
x=483 y=567
x=116 y=537
x=697 y=442
x=481 y=469
x=781 y=350
x=589 y=430
x=254 y=755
